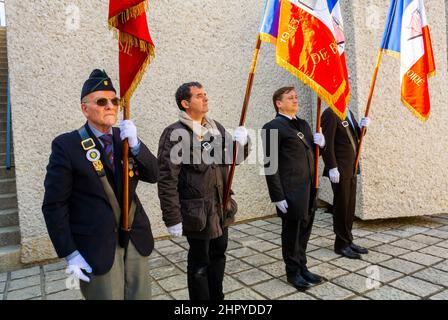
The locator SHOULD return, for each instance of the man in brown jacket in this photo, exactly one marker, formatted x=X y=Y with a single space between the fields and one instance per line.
x=194 y=155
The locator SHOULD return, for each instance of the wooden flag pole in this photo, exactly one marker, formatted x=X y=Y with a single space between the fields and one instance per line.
x=372 y=88
x=125 y=223
x=242 y=120
x=316 y=160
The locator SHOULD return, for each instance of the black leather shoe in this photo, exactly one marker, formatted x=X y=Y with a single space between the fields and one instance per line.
x=298 y=282
x=359 y=249
x=348 y=253
x=311 y=277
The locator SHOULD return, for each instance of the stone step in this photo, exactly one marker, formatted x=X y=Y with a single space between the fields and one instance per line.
x=8 y=201
x=10 y=258
x=9 y=218
x=5 y=173
x=9 y=236
x=8 y=185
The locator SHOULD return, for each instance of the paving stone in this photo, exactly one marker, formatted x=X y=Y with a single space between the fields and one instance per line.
x=156 y=289
x=380 y=273
x=262 y=246
x=242 y=252
x=353 y=282
x=321 y=224
x=246 y=241
x=233 y=245
x=56 y=266
x=442 y=266
x=56 y=286
x=381 y=237
x=174 y=248
x=375 y=257
x=415 y=286
x=162 y=244
x=267 y=236
x=359 y=233
x=3 y=277
x=177 y=257
x=253 y=231
x=401 y=265
x=259 y=223
x=443 y=244
x=24 y=283
x=329 y=291
x=174 y=283
x=311 y=247
x=432 y=275
x=421 y=258
x=2 y=286
x=183 y=265
x=328 y=271
x=322 y=242
x=425 y=239
x=298 y=296
x=241 y=227
x=271 y=227
x=158 y=262
x=323 y=254
x=274 y=289
x=390 y=293
x=275 y=269
x=276 y=253
x=322 y=231
x=66 y=295
x=408 y=244
x=311 y=262
x=350 y=264
x=400 y=233
x=164 y=272
x=252 y=276
x=414 y=229
x=25 y=273
x=440 y=296
x=359 y=298
x=55 y=275
x=235 y=234
x=180 y=294
x=244 y=294
x=367 y=243
x=437 y=233
x=26 y=293
x=1 y=296
x=235 y=266
x=391 y=250
x=259 y=260
x=277 y=242
x=229 y=284
x=275 y=220
x=162 y=297
x=436 y=251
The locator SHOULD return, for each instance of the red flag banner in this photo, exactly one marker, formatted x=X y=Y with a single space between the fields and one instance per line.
x=307 y=47
x=136 y=48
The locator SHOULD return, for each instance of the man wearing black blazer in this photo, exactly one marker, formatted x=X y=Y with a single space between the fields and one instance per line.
x=288 y=145
x=83 y=199
x=342 y=138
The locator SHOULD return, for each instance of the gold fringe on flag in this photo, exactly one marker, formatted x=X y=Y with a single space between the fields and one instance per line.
x=128 y=14
x=327 y=97
x=128 y=41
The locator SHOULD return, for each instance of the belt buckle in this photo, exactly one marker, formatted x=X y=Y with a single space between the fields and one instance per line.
x=300 y=135
x=207 y=146
x=88 y=144
x=345 y=124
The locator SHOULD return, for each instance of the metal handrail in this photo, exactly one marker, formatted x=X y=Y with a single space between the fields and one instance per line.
x=8 y=127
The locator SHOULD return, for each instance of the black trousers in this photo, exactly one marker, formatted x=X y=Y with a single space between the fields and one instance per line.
x=205 y=270
x=344 y=203
x=295 y=236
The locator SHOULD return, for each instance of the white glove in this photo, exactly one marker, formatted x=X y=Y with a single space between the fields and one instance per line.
x=319 y=139
x=282 y=206
x=75 y=265
x=334 y=175
x=176 y=230
x=240 y=135
x=129 y=130
x=364 y=122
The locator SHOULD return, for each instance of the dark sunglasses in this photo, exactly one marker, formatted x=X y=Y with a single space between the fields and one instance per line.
x=102 y=102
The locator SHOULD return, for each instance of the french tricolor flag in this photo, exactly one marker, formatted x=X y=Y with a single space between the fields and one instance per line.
x=407 y=35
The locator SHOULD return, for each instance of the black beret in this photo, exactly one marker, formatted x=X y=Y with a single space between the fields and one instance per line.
x=98 y=81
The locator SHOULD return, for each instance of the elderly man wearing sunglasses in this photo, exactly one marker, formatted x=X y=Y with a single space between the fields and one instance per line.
x=83 y=197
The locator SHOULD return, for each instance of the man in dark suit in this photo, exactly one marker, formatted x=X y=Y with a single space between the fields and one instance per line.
x=289 y=168
x=83 y=199
x=342 y=137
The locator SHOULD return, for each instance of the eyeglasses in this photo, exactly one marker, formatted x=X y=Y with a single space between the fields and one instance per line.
x=102 y=102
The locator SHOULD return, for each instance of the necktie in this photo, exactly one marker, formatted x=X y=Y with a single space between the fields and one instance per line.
x=108 y=149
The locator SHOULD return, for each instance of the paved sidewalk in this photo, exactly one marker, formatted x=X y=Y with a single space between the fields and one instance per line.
x=407 y=260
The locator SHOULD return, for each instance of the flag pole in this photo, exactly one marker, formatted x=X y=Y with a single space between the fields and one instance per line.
x=316 y=159
x=125 y=214
x=242 y=120
x=372 y=87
